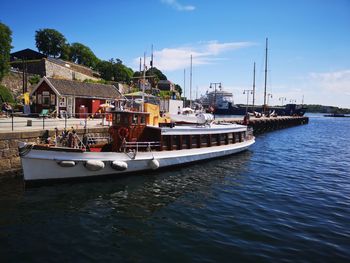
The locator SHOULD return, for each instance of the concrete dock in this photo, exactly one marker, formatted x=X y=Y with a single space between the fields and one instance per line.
x=265 y=124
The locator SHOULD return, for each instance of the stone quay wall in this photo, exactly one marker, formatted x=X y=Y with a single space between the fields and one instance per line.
x=10 y=162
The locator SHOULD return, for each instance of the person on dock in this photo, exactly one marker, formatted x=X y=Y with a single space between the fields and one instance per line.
x=246 y=119
x=7 y=109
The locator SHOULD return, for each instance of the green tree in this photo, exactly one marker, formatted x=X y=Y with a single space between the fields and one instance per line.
x=155 y=75
x=178 y=89
x=50 y=42
x=5 y=48
x=83 y=55
x=5 y=94
x=121 y=72
x=115 y=70
x=105 y=68
x=34 y=79
x=65 y=54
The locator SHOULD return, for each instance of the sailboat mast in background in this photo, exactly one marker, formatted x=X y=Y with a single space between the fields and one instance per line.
x=265 y=106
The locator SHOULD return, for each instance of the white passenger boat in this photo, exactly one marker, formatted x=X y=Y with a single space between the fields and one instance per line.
x=135 y=146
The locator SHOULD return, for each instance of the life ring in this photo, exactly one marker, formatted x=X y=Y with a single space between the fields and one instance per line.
x=123 y=132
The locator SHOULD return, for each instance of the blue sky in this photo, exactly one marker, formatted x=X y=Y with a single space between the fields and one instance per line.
x=309 y=41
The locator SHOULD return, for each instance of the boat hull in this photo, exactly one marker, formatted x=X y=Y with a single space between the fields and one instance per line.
x=57 y=165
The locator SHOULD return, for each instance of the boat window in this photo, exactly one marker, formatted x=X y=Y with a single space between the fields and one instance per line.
x=195 y=141
x=175 y=141
x=124 y=118
x=236 y=137
x=186 y=141
x=223 y=137
x=134 y=119
x=204 y=140
x=143 y=119
x=117 y=119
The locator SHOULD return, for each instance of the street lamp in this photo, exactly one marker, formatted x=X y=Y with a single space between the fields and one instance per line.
x=219 y=84
x=247 y=91
x=269 y=95
x=282 y=99
x=292 y=101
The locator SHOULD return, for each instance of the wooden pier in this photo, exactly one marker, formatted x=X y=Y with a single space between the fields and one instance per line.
x=265 y=124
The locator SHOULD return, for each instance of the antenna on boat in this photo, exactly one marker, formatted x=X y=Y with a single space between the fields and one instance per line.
x=254 y=87
x=191 y=83
x=265 y=76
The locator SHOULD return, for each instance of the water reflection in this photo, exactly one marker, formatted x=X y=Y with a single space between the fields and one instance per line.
x=133 y=196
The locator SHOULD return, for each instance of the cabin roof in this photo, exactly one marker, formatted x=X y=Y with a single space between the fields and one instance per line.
x=199 y=130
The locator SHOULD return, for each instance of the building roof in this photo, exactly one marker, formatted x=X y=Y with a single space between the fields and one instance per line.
x=65 y=87
x=27 y=54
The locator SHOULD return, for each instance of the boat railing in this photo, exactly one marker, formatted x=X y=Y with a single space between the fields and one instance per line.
x=91 y=140
x=80 y=144
x=140 y=145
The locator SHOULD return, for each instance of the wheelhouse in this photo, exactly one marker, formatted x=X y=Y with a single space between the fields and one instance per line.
x=130 y=130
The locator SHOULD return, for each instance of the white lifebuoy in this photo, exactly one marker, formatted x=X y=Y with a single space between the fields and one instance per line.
x=153 y=164
x=94 y=165
x=119 y=165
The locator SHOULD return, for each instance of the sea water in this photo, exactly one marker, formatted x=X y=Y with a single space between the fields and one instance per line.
x=285 y=199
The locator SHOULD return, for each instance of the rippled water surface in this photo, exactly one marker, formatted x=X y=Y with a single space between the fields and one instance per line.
x=286 y=199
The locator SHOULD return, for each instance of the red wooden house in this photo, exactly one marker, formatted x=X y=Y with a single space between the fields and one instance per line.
x=70 y=97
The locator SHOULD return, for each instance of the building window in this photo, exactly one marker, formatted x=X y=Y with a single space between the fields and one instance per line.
x=46 y=98
x=39 y=99
x=62 y=101
x=53 y=99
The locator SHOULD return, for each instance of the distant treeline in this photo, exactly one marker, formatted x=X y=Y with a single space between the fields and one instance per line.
x=326 y=109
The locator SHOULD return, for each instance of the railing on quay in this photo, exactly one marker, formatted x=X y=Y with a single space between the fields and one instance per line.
x=19 y=121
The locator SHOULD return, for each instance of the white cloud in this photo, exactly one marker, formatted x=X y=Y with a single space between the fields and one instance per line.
x=180 y=7
x=215 y=48
x=336 y=81
x=170 y=59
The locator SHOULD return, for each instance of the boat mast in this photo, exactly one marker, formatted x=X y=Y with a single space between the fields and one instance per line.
x=184 y=87
x=191 y=84
x=151 y=62
x=265 y=77
x=144 y=82
x=254 y=87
